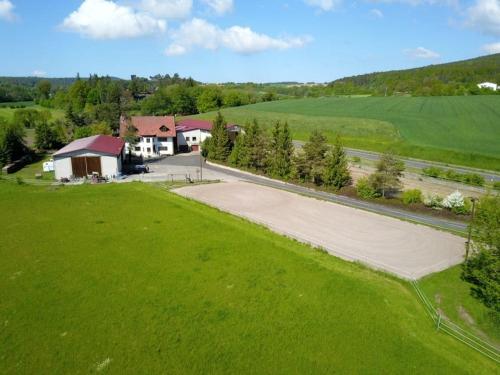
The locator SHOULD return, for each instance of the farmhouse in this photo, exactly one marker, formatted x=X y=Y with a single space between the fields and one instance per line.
x=101 y=154
x=488 y=85
x=191 y=133
x=156 y=135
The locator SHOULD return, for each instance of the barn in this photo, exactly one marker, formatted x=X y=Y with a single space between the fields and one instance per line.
x=101 y=154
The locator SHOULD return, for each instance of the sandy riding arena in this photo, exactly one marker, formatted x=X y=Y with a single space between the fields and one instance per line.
x=405 y=249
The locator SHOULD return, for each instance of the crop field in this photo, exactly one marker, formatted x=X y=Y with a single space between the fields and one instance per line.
x=455 y=130
x=94 y=282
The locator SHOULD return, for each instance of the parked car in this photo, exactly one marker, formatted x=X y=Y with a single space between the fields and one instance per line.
x=138 y=169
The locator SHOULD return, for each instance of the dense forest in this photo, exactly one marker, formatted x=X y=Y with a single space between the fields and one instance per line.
x=457 y=78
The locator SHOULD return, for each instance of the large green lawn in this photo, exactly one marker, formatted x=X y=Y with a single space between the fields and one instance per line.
x=132 y=279
x=8 y=113
x=457 y=130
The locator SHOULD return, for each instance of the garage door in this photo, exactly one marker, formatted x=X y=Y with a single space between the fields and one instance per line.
x=195 y=148
x=86 y=165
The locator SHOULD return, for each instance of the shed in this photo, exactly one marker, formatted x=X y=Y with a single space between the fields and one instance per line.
x=101 y=154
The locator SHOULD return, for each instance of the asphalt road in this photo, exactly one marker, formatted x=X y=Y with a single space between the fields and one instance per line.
x=414 y=163
x=351 y=202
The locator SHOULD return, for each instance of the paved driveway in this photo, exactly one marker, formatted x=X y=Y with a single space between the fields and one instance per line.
x=405 y=249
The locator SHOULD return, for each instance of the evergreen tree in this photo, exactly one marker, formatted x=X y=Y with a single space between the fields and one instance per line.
x=237 y=151
x=281 y=151
x=220 y=145
x=12 y=145
x=336 y=172
x=314 y=153
x=254 y=148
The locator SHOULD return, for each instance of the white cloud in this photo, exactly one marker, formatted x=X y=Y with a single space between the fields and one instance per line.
x=377 y=13
x=168 y=8
x=104 y=19
x=324 y=5
x=202 y=34
x=484 y=15
x=421 y=53
x=492 y=48
x=39 y=73
x=220 y=7
x=7 y=10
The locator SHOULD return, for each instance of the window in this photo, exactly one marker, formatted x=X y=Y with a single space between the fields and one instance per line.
x=187 y=139
x=137 y=149
x=163 y=148
x=194 y=139
x=149 y=150
x=148 y=140
x=162 y=139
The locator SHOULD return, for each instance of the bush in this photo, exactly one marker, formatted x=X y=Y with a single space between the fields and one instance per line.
x=463 y=210
x=454 y=201
x=356 y=159
x=496 y=185
x=365 y=189
x=433 y=172
x=473 y=179
x=412 y=196
x=433 y=201
x=453 y=176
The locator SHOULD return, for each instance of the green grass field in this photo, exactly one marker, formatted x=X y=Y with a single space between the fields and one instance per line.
x=129 y=278
x=455 y=130
x=8 y=113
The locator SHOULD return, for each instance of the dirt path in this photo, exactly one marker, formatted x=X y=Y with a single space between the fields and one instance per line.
x=405 y=249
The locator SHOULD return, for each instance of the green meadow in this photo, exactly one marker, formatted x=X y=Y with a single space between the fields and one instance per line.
x=130 y=278
x=454 y=130
x=8 y=113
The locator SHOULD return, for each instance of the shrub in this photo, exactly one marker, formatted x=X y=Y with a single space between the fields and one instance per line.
x=433 y=172
x=19 y=180
x=433 y=201
x=454 y=201
x=473 y=179
x=452 y=175
x=463 y=210
x=412 y=196
x=356 y=159
x=365 y=189
x=496 y=185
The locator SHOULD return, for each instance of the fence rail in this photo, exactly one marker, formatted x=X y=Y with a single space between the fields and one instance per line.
x=445 y=325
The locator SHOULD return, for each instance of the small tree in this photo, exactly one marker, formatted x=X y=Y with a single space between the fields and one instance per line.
x=12 y=145
x=46 y=137
x=482 y=269
x=387 y=177
x=236 y=152
x=336 y=171
x=315 y=151
x=130 y=137
x=254 y=150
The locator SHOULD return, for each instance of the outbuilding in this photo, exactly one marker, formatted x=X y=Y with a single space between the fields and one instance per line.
x=191 y=133
x=99 y=154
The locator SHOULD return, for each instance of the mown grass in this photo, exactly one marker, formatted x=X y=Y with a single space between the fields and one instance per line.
x=452 y=296
x=455 y=130
x=128 y=278
x=8 y=113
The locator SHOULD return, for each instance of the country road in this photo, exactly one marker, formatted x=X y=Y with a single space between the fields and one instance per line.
x=414 y=163
x=351 y=202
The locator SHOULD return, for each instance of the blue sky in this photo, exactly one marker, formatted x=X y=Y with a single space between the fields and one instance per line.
x=236 y=40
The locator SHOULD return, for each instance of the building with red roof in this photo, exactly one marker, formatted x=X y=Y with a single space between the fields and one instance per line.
x=99 y=154
x=155 y=135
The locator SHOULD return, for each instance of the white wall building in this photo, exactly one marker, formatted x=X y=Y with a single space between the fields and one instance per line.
x=488 y=85
x=101 y=154
x=155 y=135
x=191 y=133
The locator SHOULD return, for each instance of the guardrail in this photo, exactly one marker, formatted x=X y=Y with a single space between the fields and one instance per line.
x=445 y=325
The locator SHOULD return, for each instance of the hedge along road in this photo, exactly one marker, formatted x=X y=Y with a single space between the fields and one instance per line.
x=415 y=163
x=441 y=223
x=405 y=249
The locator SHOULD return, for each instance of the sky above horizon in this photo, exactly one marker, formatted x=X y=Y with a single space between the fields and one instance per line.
x=241 y=41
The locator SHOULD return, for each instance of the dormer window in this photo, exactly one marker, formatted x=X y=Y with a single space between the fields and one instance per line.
x=164 y=129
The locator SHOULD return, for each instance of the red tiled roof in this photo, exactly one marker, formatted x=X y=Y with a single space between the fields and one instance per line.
x=104 y=144
x=189 y=124
x=154 y=126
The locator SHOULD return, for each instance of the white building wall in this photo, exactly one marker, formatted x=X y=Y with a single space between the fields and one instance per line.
x=109 y=166
x=199 y=135
x=63 y=168
x=149 y=147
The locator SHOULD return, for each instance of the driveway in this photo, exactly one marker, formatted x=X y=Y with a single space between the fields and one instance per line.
x=408 y=250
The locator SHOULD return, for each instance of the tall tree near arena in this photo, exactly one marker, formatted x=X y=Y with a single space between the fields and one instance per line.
x=387 y=178
x=220 y=145
x=254 y=148
x=280 y=151
x=314 y=152
x=336 y=172
x=482 y=269
x=237 y=151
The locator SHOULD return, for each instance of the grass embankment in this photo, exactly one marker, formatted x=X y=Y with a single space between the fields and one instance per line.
x=454 y=130
x=452 y=297
x=129 y=278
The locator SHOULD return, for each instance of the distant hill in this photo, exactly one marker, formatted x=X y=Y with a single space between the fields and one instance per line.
x=32 y=81
x=456 y=78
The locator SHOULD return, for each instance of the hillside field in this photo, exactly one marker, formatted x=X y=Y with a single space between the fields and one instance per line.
x=454 y=130
x=8 y=113
x=94 y=282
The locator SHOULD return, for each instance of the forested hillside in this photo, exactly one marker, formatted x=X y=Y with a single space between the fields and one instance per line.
x=457 y=78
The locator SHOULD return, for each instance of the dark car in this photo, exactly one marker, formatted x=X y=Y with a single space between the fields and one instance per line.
x=138 y=169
